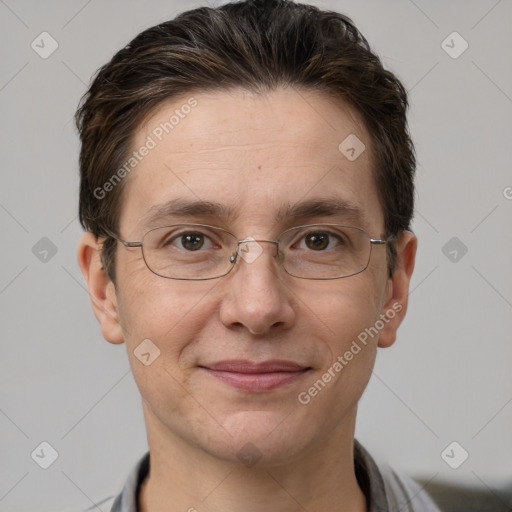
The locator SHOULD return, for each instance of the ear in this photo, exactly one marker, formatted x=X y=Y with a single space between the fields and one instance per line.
x=397 y=292
x=101 y=289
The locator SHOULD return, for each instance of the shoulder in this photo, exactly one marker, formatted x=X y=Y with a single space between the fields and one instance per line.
x=126 y=499
x=388 y=490
x=458 y=497
x=409 y=494
x=405 y=494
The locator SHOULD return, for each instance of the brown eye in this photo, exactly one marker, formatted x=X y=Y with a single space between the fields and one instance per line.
x=192 y=241
x=317 y=241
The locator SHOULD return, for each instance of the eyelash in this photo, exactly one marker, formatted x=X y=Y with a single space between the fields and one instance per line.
x=303 y=236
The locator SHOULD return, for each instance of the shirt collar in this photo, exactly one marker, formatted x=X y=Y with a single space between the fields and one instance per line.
x=370 y=480
x=368 y=477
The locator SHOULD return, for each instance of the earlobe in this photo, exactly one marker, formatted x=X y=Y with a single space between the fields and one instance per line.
x=397 y=292
x=101 y=289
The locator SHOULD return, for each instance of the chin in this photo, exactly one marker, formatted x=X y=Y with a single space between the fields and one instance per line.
x=268 y=437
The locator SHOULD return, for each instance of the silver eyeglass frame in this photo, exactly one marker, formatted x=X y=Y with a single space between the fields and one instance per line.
x=234 y=257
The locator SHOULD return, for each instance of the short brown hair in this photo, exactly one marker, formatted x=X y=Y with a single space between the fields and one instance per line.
x=254 y=44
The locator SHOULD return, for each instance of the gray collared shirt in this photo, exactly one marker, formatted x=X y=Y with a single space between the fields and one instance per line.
x=385 y=491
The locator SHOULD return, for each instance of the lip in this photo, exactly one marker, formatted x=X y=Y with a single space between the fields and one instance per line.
x=250 y=376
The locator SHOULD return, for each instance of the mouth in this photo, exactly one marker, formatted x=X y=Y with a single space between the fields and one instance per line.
x=250 y=376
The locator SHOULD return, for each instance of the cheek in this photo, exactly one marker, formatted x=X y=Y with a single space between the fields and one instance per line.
x=346 y=314
x=171 y=315
x=343 y=310
x=168 y=312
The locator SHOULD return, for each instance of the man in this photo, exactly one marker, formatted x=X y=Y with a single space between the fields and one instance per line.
x=247 y=192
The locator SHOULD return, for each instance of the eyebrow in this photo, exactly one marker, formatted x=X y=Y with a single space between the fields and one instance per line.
x=322 y=207
x=318 y=207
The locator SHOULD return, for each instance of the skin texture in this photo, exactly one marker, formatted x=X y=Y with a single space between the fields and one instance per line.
x=253 y=153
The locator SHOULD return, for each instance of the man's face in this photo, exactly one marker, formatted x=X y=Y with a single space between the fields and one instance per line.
x=255 y=155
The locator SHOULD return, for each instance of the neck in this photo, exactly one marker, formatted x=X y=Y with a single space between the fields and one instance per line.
x=185 y=478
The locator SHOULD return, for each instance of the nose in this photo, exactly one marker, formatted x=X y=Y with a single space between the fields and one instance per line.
x=257 y=296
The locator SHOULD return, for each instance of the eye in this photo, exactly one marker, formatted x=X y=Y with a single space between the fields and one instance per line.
x=316 y=241
x=320 y=240
x=190 y=241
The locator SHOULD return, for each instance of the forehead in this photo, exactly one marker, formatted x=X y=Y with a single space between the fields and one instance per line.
x=259 y=157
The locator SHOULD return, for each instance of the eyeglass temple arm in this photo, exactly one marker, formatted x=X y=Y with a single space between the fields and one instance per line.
x=391 y=238
x=130 y=244
x=124 y=242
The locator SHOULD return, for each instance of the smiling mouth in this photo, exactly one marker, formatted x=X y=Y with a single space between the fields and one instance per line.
x=249 y=376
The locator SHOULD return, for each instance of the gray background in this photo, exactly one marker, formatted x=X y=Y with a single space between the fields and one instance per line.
x=446 y=379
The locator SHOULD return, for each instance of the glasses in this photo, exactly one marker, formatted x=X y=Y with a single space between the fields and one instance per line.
x=197 y=252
